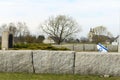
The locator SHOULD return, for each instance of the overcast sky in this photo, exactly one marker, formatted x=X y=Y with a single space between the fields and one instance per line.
x=88 y=13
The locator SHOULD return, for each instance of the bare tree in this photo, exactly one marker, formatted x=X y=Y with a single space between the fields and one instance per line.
x=109 y=34
x=22 y=29
x=60 y=27
x=10 y=27
x=101 y=34
x=19 y=29
x=101 y=30
x=3 y=28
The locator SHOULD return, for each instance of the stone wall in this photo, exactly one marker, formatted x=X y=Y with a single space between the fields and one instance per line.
x=87 y=47
x=60 y=62
x=112 y=48
x=98 y=63
x=16 y=61
x=53 y=61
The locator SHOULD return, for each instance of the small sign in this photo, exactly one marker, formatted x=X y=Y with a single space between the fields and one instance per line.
x=101 y=48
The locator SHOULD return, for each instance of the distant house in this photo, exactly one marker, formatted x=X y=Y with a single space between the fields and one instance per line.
x=116 y=40
x=93 y=37
x=48 y=40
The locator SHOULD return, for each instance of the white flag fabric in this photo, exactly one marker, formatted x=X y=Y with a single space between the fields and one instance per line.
x=101 y=48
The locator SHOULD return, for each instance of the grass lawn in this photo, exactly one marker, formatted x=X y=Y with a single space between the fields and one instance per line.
x=25 y=76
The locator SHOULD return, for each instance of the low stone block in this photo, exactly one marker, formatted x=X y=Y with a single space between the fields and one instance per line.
x=97 y=63
x=53 y=61
x=89 y=47
x=79 y=47
x=16 y=61
x=112 y=48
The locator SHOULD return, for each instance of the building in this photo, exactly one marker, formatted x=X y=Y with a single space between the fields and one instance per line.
x=91 y=34
x=48 y=40
x=116 y=41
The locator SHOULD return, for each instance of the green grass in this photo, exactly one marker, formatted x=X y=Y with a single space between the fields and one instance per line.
x=28 y=76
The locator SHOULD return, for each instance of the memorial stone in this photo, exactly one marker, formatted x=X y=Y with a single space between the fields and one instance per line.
x=7 y=40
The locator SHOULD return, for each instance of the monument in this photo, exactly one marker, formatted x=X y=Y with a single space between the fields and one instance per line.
x=91 y=34
x=7 y=40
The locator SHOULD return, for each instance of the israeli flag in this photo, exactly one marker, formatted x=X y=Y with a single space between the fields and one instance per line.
x=101 y=48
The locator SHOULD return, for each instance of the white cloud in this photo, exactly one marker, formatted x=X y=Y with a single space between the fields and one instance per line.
x=88 y=13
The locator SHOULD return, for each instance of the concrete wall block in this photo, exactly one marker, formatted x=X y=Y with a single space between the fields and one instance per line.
x=53 y=61
x=98 y=63
x=89 y=47
x=79 y=47
x=16 y=61
x=112 y=48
